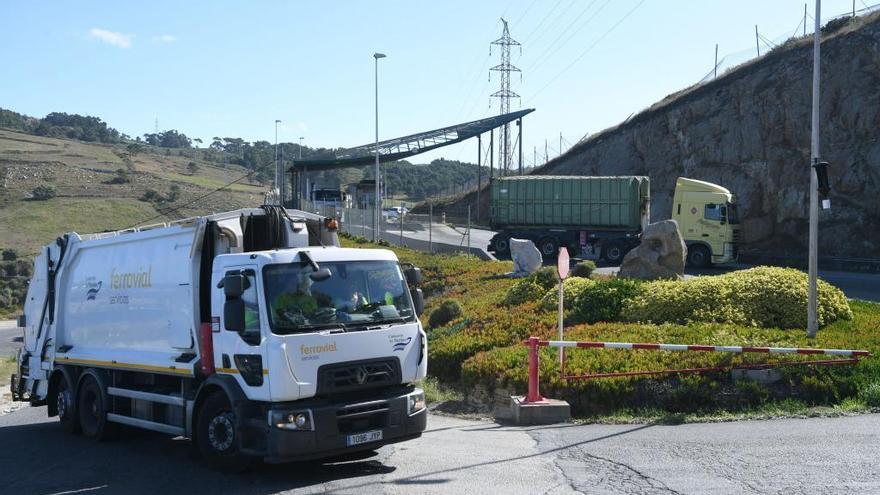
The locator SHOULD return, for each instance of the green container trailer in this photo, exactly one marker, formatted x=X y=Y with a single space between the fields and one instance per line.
x=600 y=213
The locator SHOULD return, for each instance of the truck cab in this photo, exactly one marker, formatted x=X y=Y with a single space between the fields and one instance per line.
x=708 y=219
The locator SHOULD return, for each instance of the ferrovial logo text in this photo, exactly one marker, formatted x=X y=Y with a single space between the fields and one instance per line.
x=315 y=351
x=131 y=280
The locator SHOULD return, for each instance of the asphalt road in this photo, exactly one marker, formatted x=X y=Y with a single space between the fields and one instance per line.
x=828 y=455
x=10 y=338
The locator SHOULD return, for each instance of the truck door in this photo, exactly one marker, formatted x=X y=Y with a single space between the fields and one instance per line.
x=714 y=215
x=243 y=354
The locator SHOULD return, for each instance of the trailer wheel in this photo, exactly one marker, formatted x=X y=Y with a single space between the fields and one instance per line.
x=216 y=435
x=698 y=256
x=502 y=245
x=549 y=247
x=613 y=253
x=92 y=409
x=65 y=406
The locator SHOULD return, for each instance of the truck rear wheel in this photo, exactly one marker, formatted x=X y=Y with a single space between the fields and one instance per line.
x=549 y=247
x=502 y=245
x=698 y=256
x=217 y=435
x=92 y=409
x=613 y=253
x=65 y=406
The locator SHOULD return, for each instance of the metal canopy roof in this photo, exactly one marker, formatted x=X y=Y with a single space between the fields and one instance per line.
x=402 y=147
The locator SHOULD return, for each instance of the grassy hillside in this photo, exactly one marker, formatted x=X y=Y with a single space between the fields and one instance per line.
x=89 y=195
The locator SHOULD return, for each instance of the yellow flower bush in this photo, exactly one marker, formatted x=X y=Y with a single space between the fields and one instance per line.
x=760 y=297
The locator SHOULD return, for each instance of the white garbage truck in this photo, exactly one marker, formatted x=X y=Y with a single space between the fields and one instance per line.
x=250 y=332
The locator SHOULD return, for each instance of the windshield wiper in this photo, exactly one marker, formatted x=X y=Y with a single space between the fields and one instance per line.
x=317 y=326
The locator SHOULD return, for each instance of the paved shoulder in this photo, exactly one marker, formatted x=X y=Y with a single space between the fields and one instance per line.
x=819 y=455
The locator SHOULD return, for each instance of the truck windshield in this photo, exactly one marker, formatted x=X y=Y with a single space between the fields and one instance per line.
x=359 y=294
x=732 y=213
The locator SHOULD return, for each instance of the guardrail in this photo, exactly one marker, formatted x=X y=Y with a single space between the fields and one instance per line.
x=534 y=343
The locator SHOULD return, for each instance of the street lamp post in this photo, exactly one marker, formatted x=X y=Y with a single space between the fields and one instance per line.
x=277 y=166
x=378 y=215
x=301 y=147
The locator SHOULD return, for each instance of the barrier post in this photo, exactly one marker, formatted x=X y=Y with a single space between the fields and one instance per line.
x=534 y=394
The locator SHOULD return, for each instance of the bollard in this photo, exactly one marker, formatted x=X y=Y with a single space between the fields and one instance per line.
x=534 y=394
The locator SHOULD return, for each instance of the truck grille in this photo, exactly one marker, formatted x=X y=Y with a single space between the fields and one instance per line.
x=358 y=375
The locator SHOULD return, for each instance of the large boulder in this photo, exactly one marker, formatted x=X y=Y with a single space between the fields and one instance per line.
x=661 y=254
x=526 y=257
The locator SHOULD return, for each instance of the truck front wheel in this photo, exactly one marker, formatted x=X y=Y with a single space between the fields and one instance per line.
x=92 y=409
x=217 y=435
x=698 y=256
x=549 y=247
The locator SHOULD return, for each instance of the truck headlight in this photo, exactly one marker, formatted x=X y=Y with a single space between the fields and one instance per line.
x=415 y=402
x=292 y=420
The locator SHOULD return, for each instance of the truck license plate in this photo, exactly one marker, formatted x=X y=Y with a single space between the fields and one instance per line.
x=365 y=437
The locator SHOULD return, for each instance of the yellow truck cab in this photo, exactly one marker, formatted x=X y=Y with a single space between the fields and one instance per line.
x=707 y=217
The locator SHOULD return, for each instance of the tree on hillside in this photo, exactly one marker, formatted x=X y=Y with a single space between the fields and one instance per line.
x=44 y=192
x=73 y=126
x=193 y=167
x=168 y=139
x=133 y=149
x=197 y=141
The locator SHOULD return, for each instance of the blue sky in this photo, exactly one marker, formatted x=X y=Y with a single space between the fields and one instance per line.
x=232 y=68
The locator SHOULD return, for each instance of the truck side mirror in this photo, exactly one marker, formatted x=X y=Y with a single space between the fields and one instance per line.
x=233 y=315
x=418 y=300
x=234 y=285
x=320 y=275
x=413 y=275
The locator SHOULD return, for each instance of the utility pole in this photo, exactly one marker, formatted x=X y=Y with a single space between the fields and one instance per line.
x=716 y=62
x=560 y=144
x=491 y=153
x=757 y=45
x=479 y=171
x=519 y=140
x=535 y=157
x=546 y=156
x=813 y=262
x=301 y=147
x=504 y=93
x=277 y=168
x=378 y=213
x=805 y=19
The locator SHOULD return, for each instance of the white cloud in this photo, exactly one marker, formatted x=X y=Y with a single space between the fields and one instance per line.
x=110 y=37
x=165 y=38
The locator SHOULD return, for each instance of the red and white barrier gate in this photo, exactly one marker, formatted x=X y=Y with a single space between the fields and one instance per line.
x=534 y=343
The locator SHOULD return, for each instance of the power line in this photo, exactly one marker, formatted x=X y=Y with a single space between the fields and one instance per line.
x=549 y=12
x=203 y=196
x=589 y=48
x=562 y=33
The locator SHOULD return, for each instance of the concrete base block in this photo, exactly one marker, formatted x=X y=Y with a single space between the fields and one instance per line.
x=765 y=377
x=546 y=412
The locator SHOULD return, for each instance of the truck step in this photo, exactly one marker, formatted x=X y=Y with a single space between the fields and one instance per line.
x=147 y=425
x=147 y=396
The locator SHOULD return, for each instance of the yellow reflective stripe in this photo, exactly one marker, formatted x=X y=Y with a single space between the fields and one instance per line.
x=234 y=371
x=126 y=366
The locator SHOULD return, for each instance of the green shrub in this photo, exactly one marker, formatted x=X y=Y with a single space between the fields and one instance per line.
x=871 y=394
x=44 y=192
x=583 y=269
x=571 y=288
x=448 y=310
x=546 y=277
x=523 y=291
x=761 y=296
x=604 y=299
